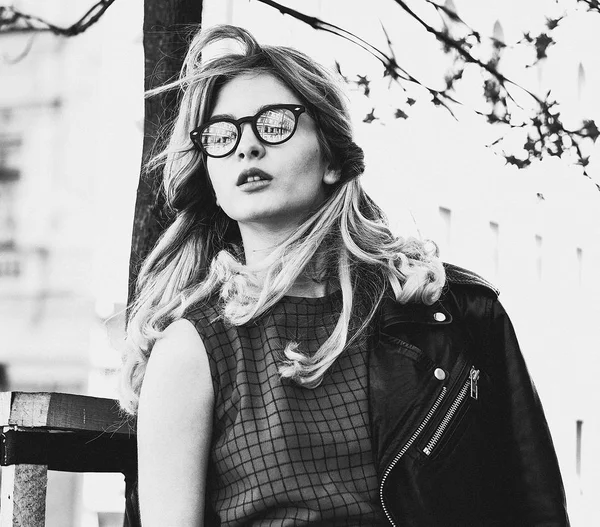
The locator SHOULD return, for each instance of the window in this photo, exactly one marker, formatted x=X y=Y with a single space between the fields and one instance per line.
x=495 y=246
x=580 y=82
x=539 y=246
x=10 y=265
x=445 y=235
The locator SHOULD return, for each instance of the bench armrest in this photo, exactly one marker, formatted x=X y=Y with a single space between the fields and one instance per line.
x=73 y=433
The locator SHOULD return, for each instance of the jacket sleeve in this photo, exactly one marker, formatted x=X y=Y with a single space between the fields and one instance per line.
x=538 y=491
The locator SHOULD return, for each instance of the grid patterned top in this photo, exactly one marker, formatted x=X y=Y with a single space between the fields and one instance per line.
x=283 y=455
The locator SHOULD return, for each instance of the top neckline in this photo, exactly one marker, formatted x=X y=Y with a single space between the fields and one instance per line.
x=313 y=300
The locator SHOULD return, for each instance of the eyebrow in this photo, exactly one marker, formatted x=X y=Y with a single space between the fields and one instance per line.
x=229 y=116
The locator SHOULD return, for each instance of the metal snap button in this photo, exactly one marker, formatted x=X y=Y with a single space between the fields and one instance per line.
x=439 y=317
x=439 y=374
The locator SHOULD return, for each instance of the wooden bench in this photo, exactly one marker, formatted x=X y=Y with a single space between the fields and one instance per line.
x=57 y=431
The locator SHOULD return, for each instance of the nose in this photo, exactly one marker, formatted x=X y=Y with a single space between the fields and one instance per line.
x=249 y=146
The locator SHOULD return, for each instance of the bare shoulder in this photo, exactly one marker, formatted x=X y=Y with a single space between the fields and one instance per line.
x=178 y=364
x=181 y=335
x=180 y=346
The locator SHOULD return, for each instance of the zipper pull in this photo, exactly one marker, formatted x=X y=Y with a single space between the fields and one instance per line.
x=474 y=375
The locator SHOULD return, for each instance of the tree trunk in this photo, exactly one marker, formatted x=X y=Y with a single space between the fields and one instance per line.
x=167 y=24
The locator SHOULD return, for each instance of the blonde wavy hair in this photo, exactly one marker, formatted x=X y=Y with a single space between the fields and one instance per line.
x=346 y=242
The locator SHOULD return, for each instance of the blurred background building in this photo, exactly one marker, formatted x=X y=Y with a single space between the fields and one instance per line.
x=71 y=119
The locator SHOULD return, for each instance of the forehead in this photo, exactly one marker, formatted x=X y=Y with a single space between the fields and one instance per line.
x=245 y=94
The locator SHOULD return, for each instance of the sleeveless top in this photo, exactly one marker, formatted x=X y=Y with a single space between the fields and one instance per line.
x=281 y=454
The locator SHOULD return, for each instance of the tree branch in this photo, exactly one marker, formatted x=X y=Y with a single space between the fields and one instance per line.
x=14 y=21
x=546 y=134
x=321 y=25
x=391 y=67
x=445 y=39
x=592 y=5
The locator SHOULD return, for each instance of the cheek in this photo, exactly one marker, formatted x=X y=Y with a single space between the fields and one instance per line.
x=319 y=155
x=214 y=172
x=210 y=168
x=310 y=159
x=319 y=163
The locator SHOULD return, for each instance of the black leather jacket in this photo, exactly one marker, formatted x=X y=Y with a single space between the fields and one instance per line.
x=458 y=431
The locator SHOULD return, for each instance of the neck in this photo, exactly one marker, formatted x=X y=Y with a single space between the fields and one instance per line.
x=308 y=288
x=259 y=243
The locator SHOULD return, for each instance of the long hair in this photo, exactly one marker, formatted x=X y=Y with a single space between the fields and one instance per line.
x=199 y=255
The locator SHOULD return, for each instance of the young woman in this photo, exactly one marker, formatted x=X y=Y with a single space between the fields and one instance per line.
x=291 y=361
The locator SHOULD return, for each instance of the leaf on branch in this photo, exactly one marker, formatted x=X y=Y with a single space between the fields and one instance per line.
x=7 y=15
x=552 y=23
x=338 y=68
x=558 y=149
x=370 y=117
x=452 y=15
x=590 y=129
x=399 y=114
x=584 y=161
x=445 y=39
x=495 y=142
x=515 y=161
x=498 y=44
x=592 y=5
x=493 y=118
x=363 y=83
x=464 y=43
x=410 y=101
x=527 y=37
x=532 y=146
x=451 y=78
x=492 y=64
x=542 y=43
x=491 y=91
x=391 y=70
x=389 y=42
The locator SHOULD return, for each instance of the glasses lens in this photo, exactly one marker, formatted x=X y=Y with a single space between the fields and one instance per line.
x=276 y=125
x=219 y=138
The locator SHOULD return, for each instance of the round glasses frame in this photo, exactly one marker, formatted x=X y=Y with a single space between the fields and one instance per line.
x=196 y=133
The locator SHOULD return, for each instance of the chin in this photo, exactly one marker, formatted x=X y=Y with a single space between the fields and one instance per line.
x=273 y=217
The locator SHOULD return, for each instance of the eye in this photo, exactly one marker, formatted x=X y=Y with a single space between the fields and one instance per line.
x=276 y=125
x=218 y=137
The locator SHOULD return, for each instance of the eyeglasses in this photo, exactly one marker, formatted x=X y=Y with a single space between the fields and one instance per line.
x=273 y=125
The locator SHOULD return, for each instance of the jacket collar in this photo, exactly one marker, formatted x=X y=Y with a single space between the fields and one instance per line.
x=393 y=313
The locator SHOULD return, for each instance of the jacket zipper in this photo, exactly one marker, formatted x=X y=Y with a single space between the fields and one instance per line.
x=471 y=383
x=471 y=386
x=399 y=455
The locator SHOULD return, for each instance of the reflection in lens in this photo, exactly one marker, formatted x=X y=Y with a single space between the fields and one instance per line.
x=218 y=138
x=275 y=126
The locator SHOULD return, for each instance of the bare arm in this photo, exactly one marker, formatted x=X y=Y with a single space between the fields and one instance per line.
x=174 y=430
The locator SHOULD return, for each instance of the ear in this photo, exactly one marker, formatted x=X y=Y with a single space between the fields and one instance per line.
x=331 y=176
